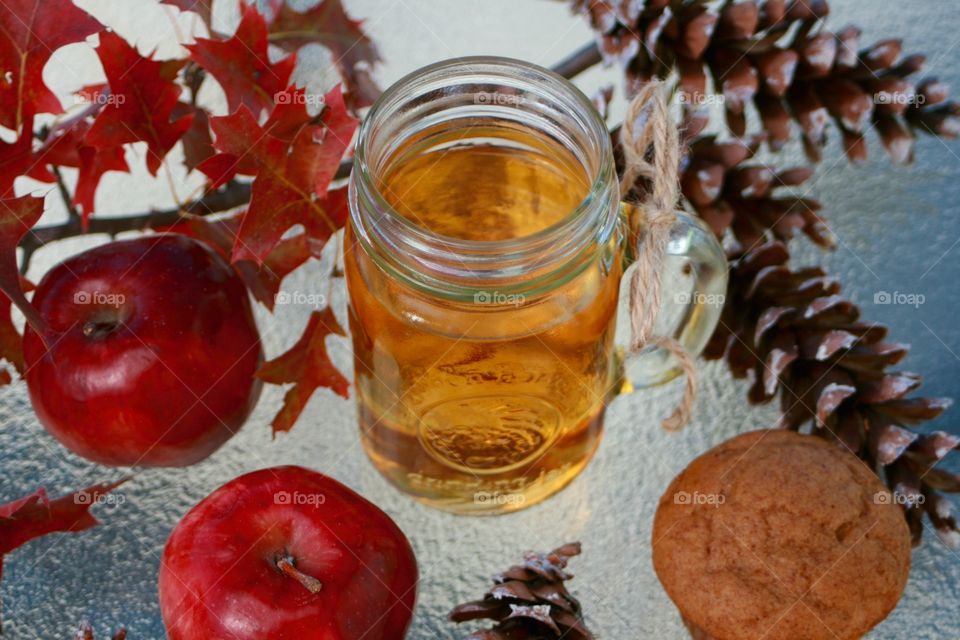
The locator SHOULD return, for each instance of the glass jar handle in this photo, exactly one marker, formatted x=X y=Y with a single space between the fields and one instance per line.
x=693 y=290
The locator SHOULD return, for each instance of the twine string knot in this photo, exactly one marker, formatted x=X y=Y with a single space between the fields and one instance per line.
x=651 y=149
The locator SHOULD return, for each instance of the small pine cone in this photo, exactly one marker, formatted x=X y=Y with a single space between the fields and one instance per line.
x=530 y=601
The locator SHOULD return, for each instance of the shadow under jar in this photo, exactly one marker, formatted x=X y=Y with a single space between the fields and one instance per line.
x=483 y=259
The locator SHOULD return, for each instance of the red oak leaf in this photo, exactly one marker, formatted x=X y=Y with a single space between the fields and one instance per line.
x=67 y=147
x=17 y=217
x=30 y=31
x=339 y=127
x=328 y=24
x=263 y=281
x=242 y=65
x=197 y=142
x=220 y=168
x=11 y=343
x=15 y=159
x=307 y=365
x=96 y=93
x=144 y=96
x=283 y=260
x=241 y=139
x=35 y=515
x=242 y=144
x=93 y=164
x=203 y=8
x=292 y=174
x=291 y=112
x=60 y=147
x=283 y=195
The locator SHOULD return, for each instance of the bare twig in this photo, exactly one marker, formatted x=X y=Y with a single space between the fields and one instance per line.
x=578 y=61
x=65 y=194
x=235 y=194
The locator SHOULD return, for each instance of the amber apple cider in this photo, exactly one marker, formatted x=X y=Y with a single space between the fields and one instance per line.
x=492 y=403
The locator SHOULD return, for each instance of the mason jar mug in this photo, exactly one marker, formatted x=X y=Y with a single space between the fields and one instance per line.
x=484 y=257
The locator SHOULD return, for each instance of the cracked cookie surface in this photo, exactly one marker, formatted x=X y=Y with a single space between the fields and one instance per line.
x=778 y=535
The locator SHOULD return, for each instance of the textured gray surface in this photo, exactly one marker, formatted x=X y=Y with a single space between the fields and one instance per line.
x=899 y=230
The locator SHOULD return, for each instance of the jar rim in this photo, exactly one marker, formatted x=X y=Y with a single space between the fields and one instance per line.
x=576 y=229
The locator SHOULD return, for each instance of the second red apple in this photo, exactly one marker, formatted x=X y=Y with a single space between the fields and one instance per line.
x=150 y=354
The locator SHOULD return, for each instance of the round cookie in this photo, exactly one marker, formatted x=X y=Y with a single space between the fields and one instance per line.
x=782 y=536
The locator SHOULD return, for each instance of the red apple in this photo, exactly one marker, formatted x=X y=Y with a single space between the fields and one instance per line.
x=287 y=554
x=150 y=355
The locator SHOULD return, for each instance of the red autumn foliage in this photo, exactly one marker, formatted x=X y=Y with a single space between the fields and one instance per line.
x=308 y=366
x=242 y=64
x=17 y=216
x=30 y=31
x=328 y=24
x=36 y=515
x=141 y=95
x=292 y=171
x=270 y=159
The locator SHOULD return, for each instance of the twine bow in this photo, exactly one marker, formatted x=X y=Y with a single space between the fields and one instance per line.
x=649 y=131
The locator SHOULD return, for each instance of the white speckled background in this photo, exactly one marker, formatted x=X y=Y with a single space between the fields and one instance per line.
x=899 y=230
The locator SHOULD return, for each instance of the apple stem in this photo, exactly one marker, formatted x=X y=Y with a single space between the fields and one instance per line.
x=287 y=567
x=96 y=330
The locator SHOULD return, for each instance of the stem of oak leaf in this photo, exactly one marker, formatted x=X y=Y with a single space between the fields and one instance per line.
x=286 y=566
x=32 y=316
x=579 y=61
x=65 y=194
